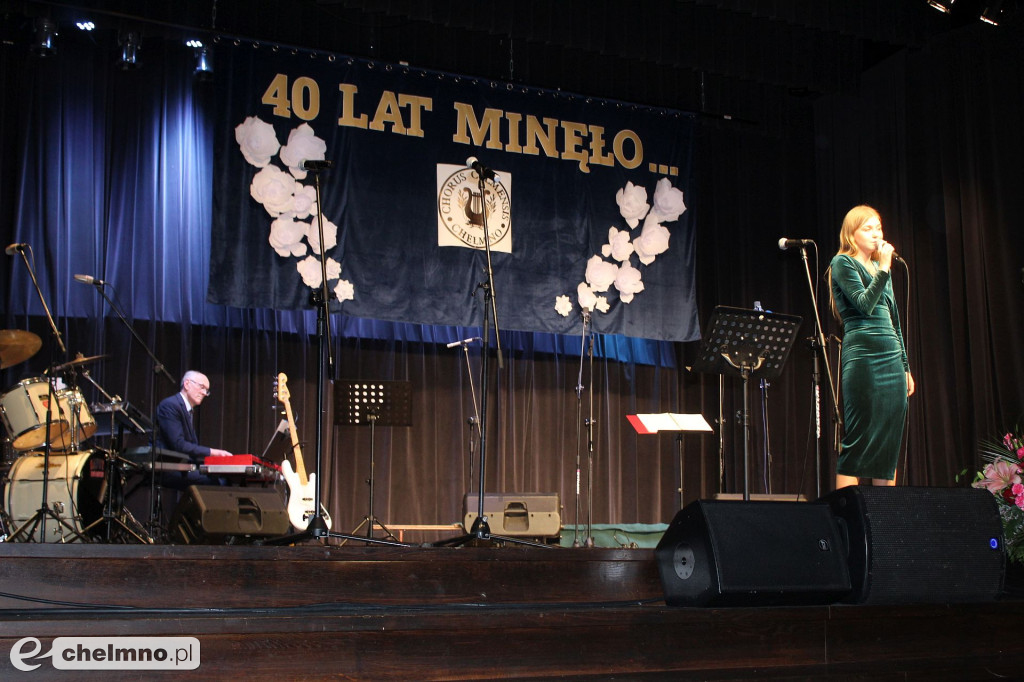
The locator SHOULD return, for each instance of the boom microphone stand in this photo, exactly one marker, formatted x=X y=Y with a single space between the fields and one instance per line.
x=481 y=530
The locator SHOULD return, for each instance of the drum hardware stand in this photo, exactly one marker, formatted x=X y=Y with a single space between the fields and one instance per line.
x=753 y=344
x=481 y=530
x=376 y=403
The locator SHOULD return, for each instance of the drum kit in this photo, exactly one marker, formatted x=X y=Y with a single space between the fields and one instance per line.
x=57 y=488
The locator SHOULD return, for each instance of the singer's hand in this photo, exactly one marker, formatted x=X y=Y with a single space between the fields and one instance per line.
x=910 y=384
x=885 y=253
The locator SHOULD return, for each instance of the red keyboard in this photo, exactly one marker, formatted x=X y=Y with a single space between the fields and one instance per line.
x=241 y=465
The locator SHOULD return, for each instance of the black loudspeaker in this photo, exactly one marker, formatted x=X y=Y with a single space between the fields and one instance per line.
x=218 y=515
x=920 y=545
x=747 y=553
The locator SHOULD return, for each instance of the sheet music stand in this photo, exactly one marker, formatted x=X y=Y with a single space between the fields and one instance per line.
x=376 y=403
x=749 y=343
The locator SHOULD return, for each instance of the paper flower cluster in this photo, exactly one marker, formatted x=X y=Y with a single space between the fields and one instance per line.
x=613 y=267
x=294 y=230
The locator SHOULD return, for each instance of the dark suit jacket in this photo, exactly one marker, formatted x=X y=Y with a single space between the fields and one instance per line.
x=175 y=429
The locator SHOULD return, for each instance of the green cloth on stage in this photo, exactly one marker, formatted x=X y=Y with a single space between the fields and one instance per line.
x=873 y=370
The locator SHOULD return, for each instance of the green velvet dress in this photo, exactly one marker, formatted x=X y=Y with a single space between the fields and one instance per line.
x=872 y=372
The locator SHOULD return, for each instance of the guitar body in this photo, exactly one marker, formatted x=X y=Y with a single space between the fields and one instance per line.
x=301 y=488
x=301 y=498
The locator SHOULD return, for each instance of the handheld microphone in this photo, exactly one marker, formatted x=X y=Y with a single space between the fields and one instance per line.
x=463 y=342
x=785 y=243
x=482 y=170
x=89 y=279
x=14 y=248
x=316 y=165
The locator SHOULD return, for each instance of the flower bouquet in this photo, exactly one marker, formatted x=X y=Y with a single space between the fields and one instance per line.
x=1002 y=477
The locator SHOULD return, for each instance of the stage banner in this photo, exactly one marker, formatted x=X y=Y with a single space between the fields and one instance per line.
x=585 y=200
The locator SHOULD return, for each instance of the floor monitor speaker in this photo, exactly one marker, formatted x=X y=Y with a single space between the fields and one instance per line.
x=746 y=553
x=218 y=515
x=920 y=545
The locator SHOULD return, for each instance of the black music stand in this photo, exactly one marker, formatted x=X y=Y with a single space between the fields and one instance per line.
x=751 y=344
x=373 y=403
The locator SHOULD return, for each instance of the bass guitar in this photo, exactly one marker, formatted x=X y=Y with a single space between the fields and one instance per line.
x=301 y=488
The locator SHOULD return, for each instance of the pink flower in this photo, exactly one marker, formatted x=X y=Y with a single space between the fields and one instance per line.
x=999 y=476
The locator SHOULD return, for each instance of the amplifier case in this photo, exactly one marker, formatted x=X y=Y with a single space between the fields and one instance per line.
x=534 y=515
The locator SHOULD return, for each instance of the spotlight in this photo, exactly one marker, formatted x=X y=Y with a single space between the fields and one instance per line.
x=204 y=63
x=85 y=25
x=991 y=13
x=129 y=42
x=45 y=32
x=193 y=42
x=945 y=6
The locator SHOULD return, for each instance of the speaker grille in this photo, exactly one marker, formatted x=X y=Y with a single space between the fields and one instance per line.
x=921 y=545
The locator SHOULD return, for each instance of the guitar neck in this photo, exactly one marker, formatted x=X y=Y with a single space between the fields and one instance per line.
x=300 y=467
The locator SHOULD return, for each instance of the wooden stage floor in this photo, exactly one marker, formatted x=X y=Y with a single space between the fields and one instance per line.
x=375 y=612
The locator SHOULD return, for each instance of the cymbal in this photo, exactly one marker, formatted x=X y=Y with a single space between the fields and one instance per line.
x=78 y=361
x=17 y=346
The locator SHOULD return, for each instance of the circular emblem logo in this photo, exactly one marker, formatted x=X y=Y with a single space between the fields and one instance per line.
x=462 y=208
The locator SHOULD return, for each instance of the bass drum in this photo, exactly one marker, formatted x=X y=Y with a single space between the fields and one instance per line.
x=74 y=492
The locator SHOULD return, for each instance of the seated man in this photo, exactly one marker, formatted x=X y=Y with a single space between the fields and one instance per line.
x=175 y=430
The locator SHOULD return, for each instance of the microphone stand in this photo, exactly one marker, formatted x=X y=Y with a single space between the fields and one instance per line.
x=38 y=520
x=317 y=527
x=474 y=421
x=155 y=507
x=820 y=350
x=481 y=530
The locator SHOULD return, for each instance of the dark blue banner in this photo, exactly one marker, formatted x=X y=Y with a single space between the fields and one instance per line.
x=586 y=209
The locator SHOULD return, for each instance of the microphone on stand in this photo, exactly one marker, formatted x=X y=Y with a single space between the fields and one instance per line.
x=785 y=243
x=14 y=248
x=482 y=170
x=316 y=165
x=89 y=279
x=463 y=342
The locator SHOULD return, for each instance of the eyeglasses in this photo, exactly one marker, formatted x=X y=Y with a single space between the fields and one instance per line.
x=204 y=389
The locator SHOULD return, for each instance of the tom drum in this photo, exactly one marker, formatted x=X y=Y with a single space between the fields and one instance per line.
x=23 y=410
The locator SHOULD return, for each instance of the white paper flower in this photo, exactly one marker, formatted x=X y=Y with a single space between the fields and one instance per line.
x=600 y=273
x=330 y=235
x=653 y=240
x=668 y=202
x=286 y=235
x=345 y=291
x=632 y=201
x=303 y=145
x=304 y=201
x=309 y=269
x=563 y=306
x=257 y=140
x=601 y=304
x=585 y=296
x=273 y=188
x=628 y=282
x=618 y=247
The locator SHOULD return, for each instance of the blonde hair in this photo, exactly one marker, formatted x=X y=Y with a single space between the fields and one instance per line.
x=855 y=217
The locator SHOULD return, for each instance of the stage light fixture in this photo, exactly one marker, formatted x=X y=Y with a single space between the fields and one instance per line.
x=945 y=6
x=43 y=39
x=85 y=25
x=992 y=12
x=204 y=63
x=193 y=42
x=129 y=42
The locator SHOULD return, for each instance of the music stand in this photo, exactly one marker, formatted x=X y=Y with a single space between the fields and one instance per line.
x=373 y=403
x=751 y=344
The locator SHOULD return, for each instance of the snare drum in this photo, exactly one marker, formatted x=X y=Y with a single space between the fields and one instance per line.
x=74 y=491
x=75 y=412
x=23 y=410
